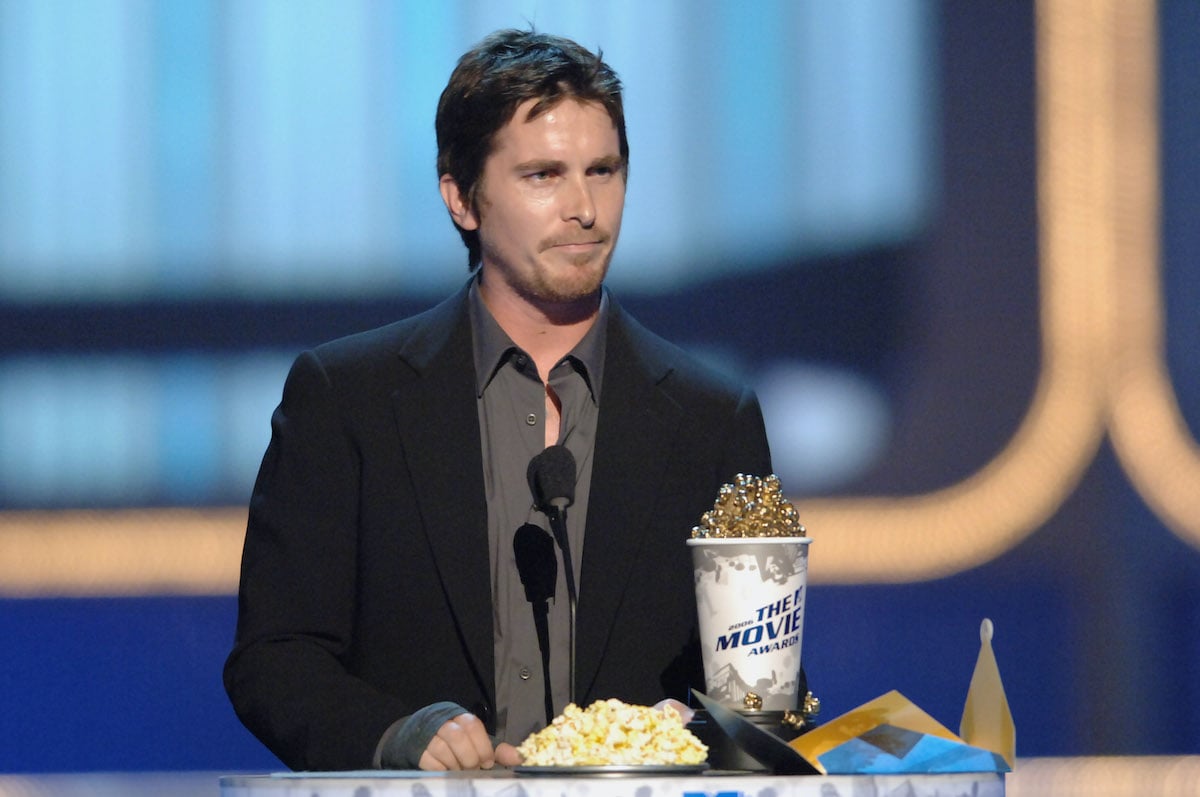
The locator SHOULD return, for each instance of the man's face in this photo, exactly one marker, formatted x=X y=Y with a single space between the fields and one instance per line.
x=549 y=203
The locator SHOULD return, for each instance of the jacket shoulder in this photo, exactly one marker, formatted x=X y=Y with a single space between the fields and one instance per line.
x=676 y=370
x=417 y=339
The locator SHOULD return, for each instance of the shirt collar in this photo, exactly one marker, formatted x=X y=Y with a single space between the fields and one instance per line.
x=492 y=346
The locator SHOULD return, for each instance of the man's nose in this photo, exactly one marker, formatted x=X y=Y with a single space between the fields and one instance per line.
x=580 y=206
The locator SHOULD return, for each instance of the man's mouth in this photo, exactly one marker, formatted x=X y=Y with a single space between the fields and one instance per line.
x=576 y=245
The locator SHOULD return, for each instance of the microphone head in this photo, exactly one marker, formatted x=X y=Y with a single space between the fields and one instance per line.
x=536 y=563
x=551 y=477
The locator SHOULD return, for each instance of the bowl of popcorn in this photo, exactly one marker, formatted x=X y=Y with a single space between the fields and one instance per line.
x=613 y=737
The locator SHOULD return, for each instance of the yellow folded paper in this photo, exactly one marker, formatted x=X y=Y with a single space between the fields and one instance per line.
x=892 y=708
x=986 y=719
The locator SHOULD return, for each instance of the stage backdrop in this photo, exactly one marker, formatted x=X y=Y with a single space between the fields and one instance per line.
x=855 y=206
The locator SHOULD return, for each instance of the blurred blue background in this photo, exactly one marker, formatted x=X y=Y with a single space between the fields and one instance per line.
x=836 y=200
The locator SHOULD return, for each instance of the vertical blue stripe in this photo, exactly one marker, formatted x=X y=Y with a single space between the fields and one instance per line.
x=16 y=163
x=421 y=53
x=189 y=434
x=186 y=128
x=751 y=153
x=27 y=158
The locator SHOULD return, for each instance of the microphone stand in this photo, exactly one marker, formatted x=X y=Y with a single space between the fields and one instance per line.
x=541 y=610
x=558 y=525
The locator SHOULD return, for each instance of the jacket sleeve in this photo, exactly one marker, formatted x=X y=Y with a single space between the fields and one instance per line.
x=286 y=675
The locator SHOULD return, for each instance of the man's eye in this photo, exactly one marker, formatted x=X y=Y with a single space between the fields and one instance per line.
x=540 y=177
x=607 y=171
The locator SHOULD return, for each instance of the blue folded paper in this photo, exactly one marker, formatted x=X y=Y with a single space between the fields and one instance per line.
x=888 y=749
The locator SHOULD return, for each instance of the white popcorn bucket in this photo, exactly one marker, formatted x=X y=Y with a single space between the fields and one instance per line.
x=750 y=595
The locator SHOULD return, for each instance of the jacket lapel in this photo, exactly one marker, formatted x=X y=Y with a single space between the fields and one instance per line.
x=636 y=424
x=438 y=424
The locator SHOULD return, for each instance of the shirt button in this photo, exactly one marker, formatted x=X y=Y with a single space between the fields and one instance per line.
x=531 y=419
x=525 y=674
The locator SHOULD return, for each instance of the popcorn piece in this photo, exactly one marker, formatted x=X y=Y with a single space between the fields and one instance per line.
x=610 y=732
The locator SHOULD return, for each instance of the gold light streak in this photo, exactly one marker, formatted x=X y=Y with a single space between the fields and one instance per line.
x=1101 y=320
x=121 y=553
x=1148 y=431
x=1105 y=776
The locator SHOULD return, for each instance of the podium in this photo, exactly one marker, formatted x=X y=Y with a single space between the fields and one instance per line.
x=504 y=783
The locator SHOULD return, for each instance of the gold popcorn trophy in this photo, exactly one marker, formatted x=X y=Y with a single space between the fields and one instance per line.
x=750 y=555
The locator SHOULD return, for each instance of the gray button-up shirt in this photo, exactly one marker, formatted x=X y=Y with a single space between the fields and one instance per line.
x=512 y=417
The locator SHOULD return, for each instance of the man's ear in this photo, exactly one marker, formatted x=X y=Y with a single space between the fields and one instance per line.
x=462 y=213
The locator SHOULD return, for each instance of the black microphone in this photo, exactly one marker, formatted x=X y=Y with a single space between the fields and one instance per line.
x=538 y=567
x=551 y=476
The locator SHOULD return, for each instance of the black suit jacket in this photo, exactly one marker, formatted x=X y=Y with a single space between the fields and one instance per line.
x=365 y=587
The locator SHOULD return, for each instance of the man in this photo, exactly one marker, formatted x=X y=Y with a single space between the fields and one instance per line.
x=382 y=616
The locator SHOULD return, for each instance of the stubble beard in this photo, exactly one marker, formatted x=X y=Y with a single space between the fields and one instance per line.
x=561 y=281
x=580 y=279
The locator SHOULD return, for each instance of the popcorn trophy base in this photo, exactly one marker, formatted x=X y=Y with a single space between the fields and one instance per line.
x=724 y=752
x=750 y=596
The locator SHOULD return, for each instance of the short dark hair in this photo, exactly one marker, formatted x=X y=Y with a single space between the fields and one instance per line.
x=504 y=70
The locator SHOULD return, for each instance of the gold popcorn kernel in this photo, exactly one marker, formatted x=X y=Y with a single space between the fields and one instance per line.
x=750 y=507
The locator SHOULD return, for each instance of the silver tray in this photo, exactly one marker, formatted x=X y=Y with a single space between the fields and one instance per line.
x=613 y=770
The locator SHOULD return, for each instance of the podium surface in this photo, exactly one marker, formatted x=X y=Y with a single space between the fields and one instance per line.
x=504 y=783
